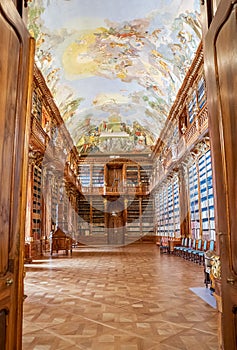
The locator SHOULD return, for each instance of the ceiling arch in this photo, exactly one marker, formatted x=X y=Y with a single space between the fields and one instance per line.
x=114 y=67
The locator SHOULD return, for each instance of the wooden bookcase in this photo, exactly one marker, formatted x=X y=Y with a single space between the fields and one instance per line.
x=147 y=214
x=54 y=203
x=37 y=105
x=133 y=217
x=206 y=196
x=84 y=216
x=132 y=175
x=98 y=176
x=85 y=175
x=98 y=215
x=37 y=203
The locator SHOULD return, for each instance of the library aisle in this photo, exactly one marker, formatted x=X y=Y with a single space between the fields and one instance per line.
x=126 y=298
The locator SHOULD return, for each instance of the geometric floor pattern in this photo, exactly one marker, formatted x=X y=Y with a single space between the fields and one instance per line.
x=126 y=298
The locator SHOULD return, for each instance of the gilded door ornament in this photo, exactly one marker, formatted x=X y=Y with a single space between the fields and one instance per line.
x=216 y=267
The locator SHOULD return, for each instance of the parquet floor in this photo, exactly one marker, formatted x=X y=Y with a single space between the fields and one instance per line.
x=128 y=298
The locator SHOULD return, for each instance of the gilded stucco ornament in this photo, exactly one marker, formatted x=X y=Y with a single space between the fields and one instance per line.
x=216 y=267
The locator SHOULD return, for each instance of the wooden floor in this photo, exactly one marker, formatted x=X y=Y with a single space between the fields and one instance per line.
x=129 y=298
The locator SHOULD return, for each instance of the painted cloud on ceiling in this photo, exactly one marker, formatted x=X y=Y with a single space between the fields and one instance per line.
x=114 y=60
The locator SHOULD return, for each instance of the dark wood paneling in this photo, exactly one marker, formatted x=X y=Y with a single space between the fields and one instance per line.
x=220 y=48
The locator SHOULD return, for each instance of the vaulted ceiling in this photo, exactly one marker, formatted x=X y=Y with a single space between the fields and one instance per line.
x=114 y=66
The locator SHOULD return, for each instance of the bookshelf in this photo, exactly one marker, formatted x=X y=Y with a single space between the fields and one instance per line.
x=54 y=206
x=147 y=217
x=84 y=215
x=132 y=175
x=98 y=215
x=167 y=213
x=37 y=106
x=133 y=217
x=37 y=202
x=192 y=106
x=170 y=211
x=194 y=202
x=98 y=176
x=176 y=208
x=84 y=175
x=201 y=92
x=145 y=175
x=206 y=196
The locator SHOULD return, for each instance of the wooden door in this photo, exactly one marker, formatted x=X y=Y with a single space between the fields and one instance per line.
x=115 y=222
x=220 y=57
x=14 y=126
x=114 y=179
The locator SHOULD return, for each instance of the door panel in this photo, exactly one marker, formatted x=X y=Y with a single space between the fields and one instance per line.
x=14 y=134
x=227 y=71
x=3 y=316
x=116 y=229
x=115 y=178
x=115 y=221
x=7 y=130
x=220 y=60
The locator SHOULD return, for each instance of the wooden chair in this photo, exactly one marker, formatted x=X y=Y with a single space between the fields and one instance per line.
x=185 y=246
x=177 y=248
x=185 y=249
x=164 y=245
x=188 y=252
x=194 y=253
x=201 y=254
x=212 y=245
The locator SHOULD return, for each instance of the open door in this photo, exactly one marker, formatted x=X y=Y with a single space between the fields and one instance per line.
x=14 y=131
x=220 y=59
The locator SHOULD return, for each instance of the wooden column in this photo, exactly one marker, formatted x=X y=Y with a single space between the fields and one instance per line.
x=184 y=201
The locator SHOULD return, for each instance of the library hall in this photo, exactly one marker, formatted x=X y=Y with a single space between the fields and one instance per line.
x=118 y=200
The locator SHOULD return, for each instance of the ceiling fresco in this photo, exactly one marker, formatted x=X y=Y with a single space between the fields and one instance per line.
x=114 y=66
